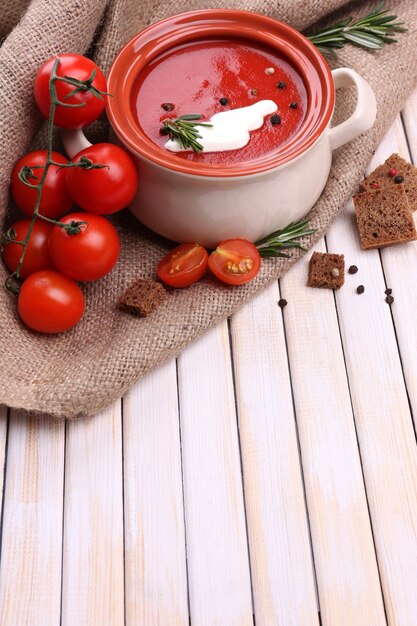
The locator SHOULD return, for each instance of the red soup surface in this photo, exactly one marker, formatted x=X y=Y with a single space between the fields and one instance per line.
x=194 y=77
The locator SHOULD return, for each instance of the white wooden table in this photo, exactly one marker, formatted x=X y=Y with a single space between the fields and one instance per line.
x=267 y=477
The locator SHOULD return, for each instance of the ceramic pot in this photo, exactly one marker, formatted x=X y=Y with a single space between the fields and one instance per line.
x=190 y=201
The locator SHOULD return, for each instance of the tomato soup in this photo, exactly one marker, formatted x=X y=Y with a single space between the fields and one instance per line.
x=209 y=77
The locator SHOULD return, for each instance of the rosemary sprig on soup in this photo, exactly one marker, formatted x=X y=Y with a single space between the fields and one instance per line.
x=184 y=130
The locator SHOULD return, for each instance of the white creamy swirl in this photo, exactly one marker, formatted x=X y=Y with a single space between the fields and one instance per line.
x=230 y=129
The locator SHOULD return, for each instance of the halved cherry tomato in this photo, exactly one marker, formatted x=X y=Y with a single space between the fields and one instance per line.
x=235 y=261
x=55 y=199
x=50 y=302
x=89 y=106
x=184 y=265
x=37 y=254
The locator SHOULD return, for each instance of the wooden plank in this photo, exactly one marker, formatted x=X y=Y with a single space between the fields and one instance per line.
x=218 y=567
x=155 y=560
x=382 y=413
x=3 y=440
x=30 y=572
x=280 y=554
x=93 y=588
x=409 y=115
x=400 y=262
x=346 y=568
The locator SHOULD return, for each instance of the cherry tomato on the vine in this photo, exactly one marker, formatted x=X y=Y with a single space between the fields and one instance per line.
x=37 y=253
x=50 y=302
x=90 y=254
x=82 y=69
x=108 y=189
x=184 y=265
x=235 y=261
x=55 y=199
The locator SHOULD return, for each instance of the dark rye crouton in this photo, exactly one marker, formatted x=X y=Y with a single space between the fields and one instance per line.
x=326 y=270
x=384 y=217
x=381 y=178
x=142 y=297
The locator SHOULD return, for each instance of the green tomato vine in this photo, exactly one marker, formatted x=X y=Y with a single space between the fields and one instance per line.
x=12 y=282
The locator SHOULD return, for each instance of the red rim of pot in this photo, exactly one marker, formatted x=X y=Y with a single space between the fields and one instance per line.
x=227 y=23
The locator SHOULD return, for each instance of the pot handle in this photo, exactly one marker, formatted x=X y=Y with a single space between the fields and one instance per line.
x=74 y=141
x=364 y=115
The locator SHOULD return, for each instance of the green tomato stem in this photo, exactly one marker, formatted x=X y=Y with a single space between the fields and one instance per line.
x=74 y=227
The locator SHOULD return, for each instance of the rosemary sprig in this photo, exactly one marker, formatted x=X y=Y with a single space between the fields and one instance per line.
x=372 y=31
x=272 y=245
x=184 y=129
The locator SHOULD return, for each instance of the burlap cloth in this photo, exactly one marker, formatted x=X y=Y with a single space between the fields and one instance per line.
x=82 y=371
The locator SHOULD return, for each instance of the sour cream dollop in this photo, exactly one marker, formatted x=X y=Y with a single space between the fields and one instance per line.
x=230 y=130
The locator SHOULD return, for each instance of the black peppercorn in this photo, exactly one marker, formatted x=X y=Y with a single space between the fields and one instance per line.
x=282 y=303
x=388 y=292
x=360 y=289
x=163 y=130
x=224 y=101
x=167 y=106
x=398 y=180
x=293 y=105
x=352 y=269
x=389 y=299
x=275 y=119
x=281 y=84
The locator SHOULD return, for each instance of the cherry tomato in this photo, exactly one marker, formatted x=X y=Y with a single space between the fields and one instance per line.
x=184 y=265
x=88 y=255
x=74 y=66
x=37 y=252
x=108 y=189
x=50 y=302
x=55 y=200
x=235 y=261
